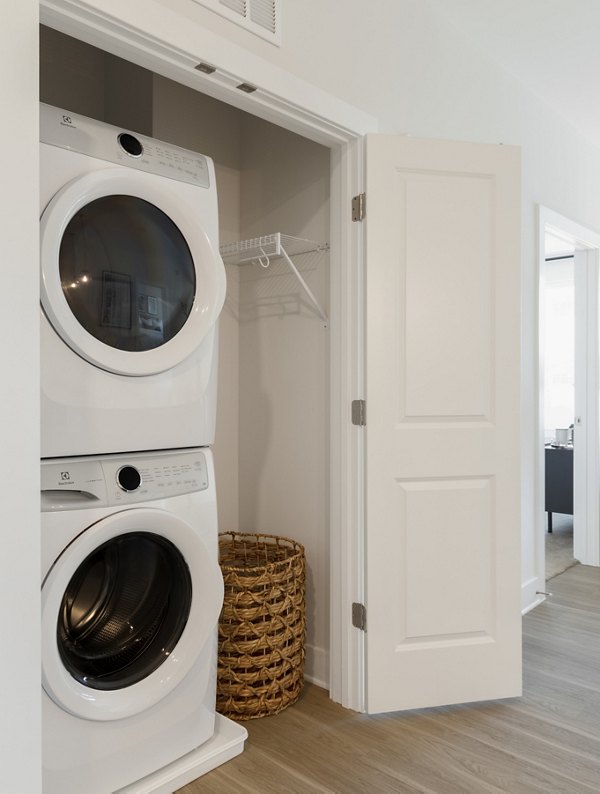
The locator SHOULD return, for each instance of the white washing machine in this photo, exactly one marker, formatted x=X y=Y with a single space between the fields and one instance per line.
x=131 y=290
x=131 y=594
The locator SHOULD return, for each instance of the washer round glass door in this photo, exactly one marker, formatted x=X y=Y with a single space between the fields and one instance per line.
x=130 y=280
x=127 y=608
x=124 y=610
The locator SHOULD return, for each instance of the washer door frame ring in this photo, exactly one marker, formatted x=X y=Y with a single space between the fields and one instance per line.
x=207 y=597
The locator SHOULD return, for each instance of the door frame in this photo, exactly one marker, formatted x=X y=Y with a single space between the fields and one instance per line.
x=173 y=51
x=586 y=496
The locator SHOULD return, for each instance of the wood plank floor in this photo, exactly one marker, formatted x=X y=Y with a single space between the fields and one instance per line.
x=546 y=741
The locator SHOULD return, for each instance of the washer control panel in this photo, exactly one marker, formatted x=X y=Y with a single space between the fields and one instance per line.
x=154 y=477
x=96 y=139
x=76 y=483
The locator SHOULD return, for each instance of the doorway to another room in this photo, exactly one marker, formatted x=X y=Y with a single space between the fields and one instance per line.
x=558 y=317
x=569 y=445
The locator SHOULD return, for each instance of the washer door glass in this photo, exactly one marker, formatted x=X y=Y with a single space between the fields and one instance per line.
x=124 y=611
x=131 y=281
x=127 y=273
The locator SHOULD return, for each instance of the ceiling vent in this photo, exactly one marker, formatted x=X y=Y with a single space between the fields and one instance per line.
x=262 y=17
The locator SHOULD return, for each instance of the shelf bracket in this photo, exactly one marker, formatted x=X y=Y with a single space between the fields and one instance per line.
x=304 y=285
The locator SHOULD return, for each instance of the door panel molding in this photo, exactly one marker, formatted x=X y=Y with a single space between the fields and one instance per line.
x=443 y=442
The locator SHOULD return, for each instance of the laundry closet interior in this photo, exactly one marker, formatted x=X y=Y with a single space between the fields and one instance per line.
x=272 y=440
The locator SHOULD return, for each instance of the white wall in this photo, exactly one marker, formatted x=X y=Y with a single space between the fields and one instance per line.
x=271 y=449
x=71 y=74
x=197 y=122
x=87 y=80
x=284 y=364
x=20 y=747
x=558 y=313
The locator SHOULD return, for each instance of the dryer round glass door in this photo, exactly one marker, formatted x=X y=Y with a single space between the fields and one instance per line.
x=139 y=299
x=130 y=280
x=127 y=610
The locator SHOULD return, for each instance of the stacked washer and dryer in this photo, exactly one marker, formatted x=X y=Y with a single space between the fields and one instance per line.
x=132 y=287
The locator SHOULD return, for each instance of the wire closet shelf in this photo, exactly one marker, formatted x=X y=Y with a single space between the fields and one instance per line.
x=262 y=250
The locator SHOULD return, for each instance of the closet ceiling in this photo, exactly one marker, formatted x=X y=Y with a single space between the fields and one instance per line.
x=549 y=45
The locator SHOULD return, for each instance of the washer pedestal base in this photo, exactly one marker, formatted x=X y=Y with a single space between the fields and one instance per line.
x=227 y=742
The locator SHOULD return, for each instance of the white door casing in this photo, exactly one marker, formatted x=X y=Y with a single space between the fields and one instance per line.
x=581 y=277
x=442 y=388
x=586 y=433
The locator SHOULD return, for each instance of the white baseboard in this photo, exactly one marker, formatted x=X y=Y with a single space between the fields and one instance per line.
x=227 y=742
x=530 y=595
x=316 y=666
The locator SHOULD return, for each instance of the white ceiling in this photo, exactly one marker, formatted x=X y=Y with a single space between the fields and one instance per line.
x=552 y=46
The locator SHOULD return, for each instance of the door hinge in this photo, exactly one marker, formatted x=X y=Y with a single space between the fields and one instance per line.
x=359 y=207
x=359 y=413
x=359 y=616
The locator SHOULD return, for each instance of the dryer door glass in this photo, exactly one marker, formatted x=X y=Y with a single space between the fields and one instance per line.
x=127 y=273
x=124 y=610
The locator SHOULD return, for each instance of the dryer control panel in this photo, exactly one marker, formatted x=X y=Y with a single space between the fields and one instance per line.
x=76 y=483
x=96 y=139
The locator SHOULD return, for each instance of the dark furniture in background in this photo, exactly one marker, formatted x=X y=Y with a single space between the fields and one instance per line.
x=559 y=481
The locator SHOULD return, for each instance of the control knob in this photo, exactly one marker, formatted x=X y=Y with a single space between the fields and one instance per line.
x=129 y=479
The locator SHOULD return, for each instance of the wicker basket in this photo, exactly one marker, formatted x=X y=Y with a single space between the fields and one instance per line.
x=262 y=625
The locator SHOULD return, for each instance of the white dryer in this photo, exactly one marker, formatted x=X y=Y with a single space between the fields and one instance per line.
x=131 y=593
x=131 y=290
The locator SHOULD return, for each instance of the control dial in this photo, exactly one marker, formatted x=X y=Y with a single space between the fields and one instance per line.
x=129 y=479
x=130 y=144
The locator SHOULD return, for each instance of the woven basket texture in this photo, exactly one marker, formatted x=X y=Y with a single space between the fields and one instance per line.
x=262 y=625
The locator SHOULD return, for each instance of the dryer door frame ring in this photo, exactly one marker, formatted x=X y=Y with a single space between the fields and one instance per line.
x=209 y=269
x=207 y=598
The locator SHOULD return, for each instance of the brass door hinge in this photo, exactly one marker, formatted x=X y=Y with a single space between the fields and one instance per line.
x=359 y=616
x=359 y=207
x=359 y=413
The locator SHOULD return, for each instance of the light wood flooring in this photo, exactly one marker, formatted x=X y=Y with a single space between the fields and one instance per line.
x=559 y=545
x=546 y=741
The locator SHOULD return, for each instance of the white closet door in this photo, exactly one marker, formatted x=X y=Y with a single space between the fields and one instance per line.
x=443 y=489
